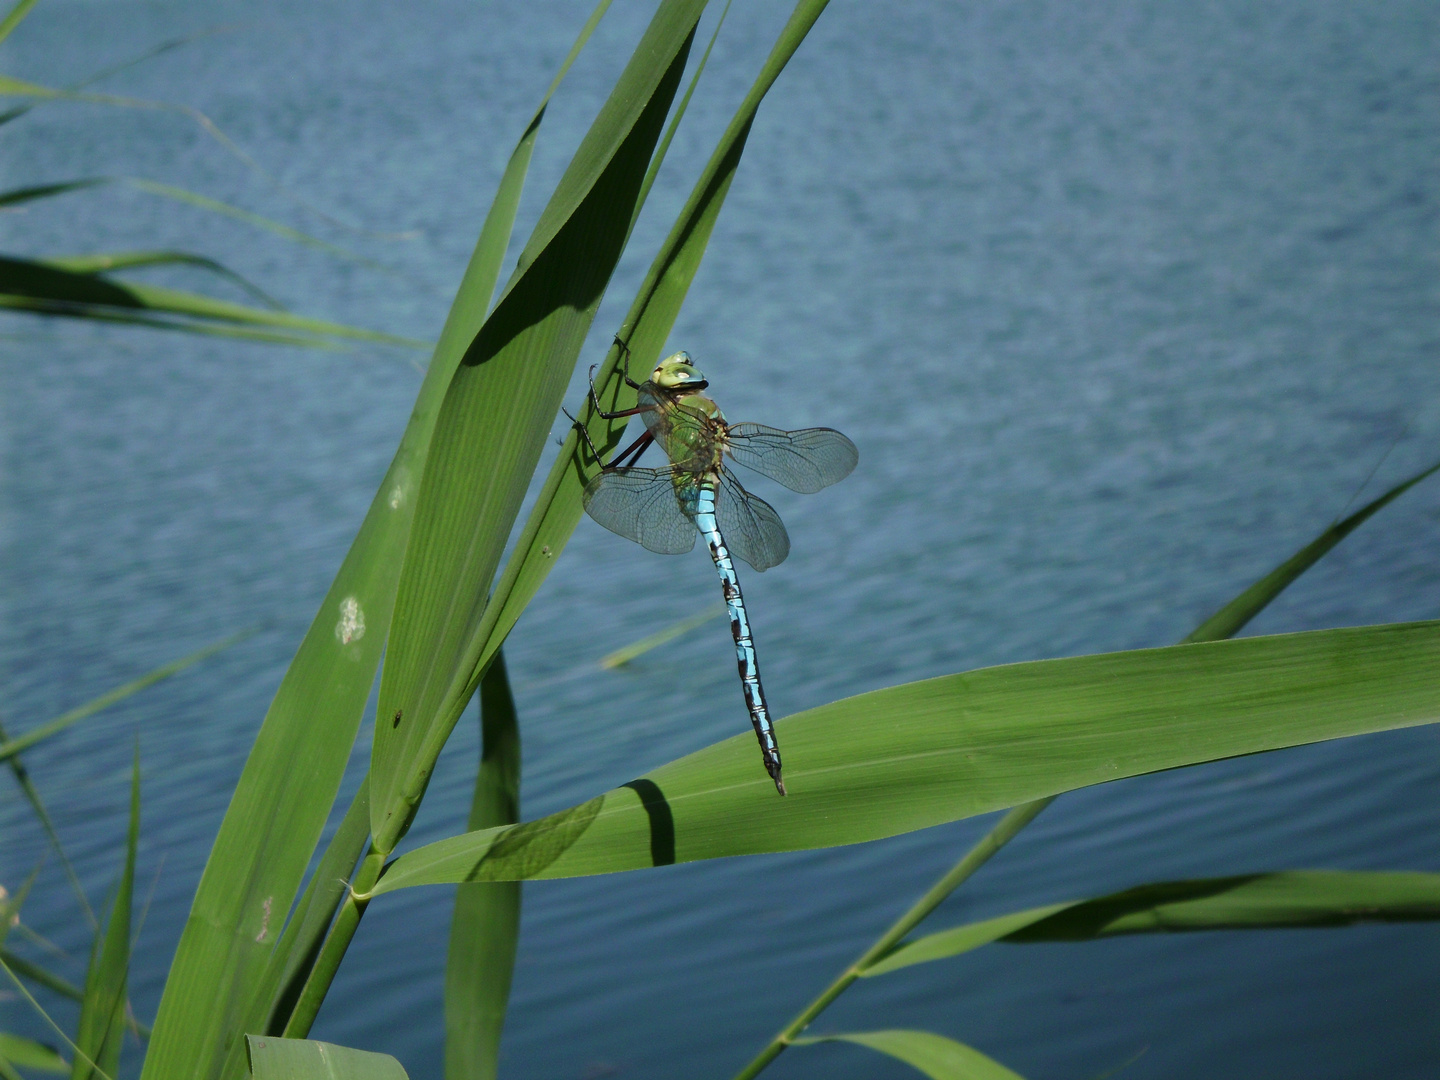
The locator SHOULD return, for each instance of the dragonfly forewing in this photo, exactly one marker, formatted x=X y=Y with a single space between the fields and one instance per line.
x=804 y=461
x=644 y=505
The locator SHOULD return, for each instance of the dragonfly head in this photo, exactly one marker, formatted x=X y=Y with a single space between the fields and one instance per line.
x=677 y=373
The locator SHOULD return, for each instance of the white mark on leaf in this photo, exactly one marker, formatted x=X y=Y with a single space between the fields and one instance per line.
x=397 y=497
x=265 y=919
x=351 y=627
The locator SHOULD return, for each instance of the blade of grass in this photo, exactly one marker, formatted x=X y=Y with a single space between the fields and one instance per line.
x=41 y=977
x=917 y=755
x=10 y=748
x=32 y=796
x=272 y=826
x=14 y=16
x=29 y=1054
x=1233 y=616
x=1282 y=899
x=104 y=261
x=1220 y=626
x=30 y=998
x=557 y=510
x=21 y=195
x=492 y=427
x=934 y=1055
x=101 y=1029
x=273 y=1058
x=486 y=924
x=47 y=289
x=527 y=344
x=621 y=657
x=150 y=321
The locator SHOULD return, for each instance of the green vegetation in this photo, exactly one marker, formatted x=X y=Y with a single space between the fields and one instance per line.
x=423 y=586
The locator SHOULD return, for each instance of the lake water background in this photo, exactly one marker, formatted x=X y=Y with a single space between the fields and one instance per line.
x=1121 y=303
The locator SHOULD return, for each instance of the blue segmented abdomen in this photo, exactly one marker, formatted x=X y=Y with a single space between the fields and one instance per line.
x=704 y=516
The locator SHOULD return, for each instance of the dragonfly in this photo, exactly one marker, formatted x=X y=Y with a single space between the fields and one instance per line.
x=664 y=509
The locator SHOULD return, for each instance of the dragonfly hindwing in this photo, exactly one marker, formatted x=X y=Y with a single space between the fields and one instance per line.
x=751 y=528
x=643 y=505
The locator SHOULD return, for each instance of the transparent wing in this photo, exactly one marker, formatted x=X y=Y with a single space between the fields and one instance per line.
x=805 y=460
x=655 y=416
x=641 y=505
x=752 y=529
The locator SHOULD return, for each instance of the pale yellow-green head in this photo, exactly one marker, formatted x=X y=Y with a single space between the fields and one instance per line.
x=677 y=373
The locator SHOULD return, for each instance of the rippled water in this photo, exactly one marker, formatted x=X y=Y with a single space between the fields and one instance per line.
x=1121 y=304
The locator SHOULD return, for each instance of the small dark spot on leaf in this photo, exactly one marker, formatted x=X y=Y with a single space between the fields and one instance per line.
x=396 y=722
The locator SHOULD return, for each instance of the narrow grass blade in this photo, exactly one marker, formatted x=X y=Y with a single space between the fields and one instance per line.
x=621 y=657
x=32 y=796
x=12 y=747
x=924 y=753
x=646 y=327
x=300 y=944
x=101 y=1029
x=29 y=1054
x=934 y=1055
x=18 y=196
x=273 y=1058
x=273 y=824
x=105 y=261
x=1234 y=615
x=1283 y=899
x=486 y=923
x=151 y=321
x=500 y=405
x=49 y=1020
x=14 y=16
x=41 y=977
x=46 y=288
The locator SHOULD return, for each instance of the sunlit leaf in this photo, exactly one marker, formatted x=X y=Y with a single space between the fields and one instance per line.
x=274 y=1058
x=924 y=753
x=934 y=1055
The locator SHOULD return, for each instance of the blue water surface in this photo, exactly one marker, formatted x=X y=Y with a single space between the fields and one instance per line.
x=1121 y=303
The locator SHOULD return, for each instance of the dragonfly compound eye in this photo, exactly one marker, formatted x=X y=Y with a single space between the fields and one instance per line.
x=677 y=372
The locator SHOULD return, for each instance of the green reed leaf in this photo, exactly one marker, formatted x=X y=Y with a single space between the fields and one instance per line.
x=557 y=509
x=1234 y=615
x=29 y=1054
x=14 y=16
x=39 y=734
x=101 y=262
x=274 y=823
x=500 y=405
x=45 y=288
x=924 y=753
x=41 y=977
x=934 y=1055
x=1286 y=898
x=273 y=1058
x=101 y=1030
x=486 y=925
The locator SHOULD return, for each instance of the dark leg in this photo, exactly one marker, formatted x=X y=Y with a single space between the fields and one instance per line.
x=625 y=371
x=584 y=434
x=638 y=447
x=600 y=411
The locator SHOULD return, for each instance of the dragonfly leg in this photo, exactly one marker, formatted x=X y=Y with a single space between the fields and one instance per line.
x=638 y=447
x=585 y=434
x=633 y=452
x=600 y=410
x=625 y=371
